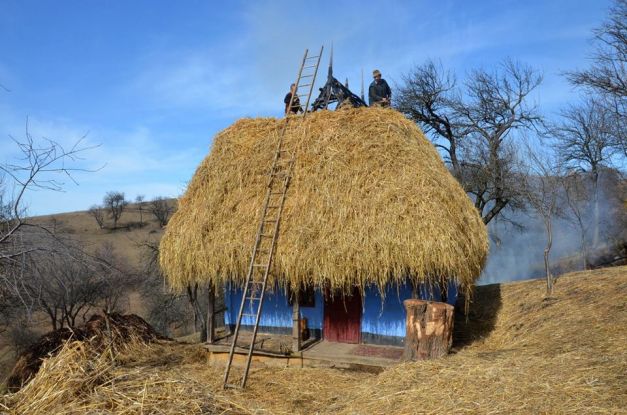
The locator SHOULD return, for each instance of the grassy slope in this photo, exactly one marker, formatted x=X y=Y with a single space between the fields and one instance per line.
x=83 y=227
x=519 y=354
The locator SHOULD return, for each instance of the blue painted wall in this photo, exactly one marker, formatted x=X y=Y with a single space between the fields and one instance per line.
x=387 y=317
x=379 y=318
x=276 y=310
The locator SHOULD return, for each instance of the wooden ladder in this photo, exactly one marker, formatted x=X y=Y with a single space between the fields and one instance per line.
x=268 y=229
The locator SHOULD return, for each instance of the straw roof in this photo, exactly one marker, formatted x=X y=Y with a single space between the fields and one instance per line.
x=370 y=202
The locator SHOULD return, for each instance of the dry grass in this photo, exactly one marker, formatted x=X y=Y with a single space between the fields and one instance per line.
x=370 y=201
x=530 y=355
x=82 y=227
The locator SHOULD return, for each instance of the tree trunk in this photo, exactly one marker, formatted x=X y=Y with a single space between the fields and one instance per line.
x=429 y=329
x=584 y=252
x=595 y=234
x=547 y=253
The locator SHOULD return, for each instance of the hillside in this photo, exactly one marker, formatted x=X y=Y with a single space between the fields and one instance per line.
x=518 y=353
x=82 y=227
x=126 y=238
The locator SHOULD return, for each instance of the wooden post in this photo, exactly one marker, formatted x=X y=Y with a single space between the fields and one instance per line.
x=429 y=329
x=296 y=338
x=211 y=331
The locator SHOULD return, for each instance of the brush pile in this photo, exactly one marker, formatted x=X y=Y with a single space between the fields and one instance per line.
x=370 y=202
x=100 y=332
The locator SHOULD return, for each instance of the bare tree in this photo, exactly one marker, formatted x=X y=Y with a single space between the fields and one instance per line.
x=577 y=197
x=166 y=309
x=585 y=143
x=607 y=76
x=98 y=214
x=475 y=126
x=139 y=200
x=115 y=204
x=160 y=207
x=116 y=277
x=427 y=97
x=65 y=288
x=10 y=307
x=542 y=191
x=43 y=165
x=67 y=283
x=20 y=336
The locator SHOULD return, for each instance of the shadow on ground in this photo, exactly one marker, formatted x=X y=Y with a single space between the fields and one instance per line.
x=480 y=320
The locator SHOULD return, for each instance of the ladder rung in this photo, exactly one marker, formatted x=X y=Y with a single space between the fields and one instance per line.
x=307 y=67
x=253 y=298
x=267 y=235
x=300 y=86
x=306 y=76
x=312 y=57
x=259 y=265
x=270 y=220
x=231 y=386
x=249 y=315
x=274 y=206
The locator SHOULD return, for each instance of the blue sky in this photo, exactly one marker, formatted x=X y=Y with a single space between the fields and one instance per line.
x=153 y=81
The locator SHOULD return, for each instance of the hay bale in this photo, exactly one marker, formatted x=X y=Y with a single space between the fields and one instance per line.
x=370 y=202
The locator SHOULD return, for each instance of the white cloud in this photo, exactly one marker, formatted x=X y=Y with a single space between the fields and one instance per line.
x=220 y=81
x=132 y=161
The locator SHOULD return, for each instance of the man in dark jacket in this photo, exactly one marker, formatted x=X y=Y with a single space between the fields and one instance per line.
x=379 y=93
x=296 y=108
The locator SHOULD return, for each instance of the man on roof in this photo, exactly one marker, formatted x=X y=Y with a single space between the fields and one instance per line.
x=379 y=93
x=296 y=108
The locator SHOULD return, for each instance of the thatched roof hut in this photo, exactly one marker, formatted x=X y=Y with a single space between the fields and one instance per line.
x=370 y=202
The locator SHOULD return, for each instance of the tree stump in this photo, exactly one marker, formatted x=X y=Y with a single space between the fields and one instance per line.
x=429 y=329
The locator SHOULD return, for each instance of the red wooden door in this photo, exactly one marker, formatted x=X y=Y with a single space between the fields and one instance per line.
x=342 y=318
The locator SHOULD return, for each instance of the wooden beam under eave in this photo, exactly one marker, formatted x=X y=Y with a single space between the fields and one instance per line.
x=296 y=338
x=211 y=330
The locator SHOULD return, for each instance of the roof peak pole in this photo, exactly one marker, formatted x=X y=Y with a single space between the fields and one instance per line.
x=329 y=78
x=362 y=85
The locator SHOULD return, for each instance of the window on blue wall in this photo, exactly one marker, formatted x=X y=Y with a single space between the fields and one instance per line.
x=306 y=296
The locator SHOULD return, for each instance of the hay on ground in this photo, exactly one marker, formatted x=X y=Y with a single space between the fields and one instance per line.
x=370 y=202
x=102 y=331
x=566 y=355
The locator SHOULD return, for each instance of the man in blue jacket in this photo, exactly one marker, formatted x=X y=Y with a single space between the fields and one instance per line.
x=379 y=93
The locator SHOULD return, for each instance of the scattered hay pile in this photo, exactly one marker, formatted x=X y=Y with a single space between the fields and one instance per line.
x=526 y=355
x=370 y=202
x=562 y=355
x=101 y=331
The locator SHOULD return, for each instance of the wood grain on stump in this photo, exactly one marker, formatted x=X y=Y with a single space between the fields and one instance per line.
x=429 y=329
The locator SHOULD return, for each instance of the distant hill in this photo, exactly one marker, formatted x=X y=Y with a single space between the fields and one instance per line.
x=125 y=238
